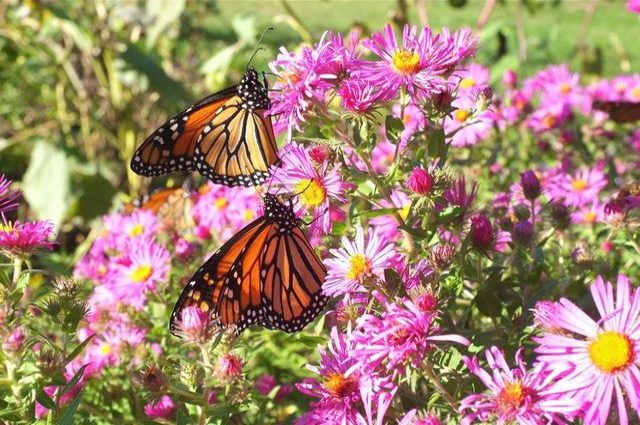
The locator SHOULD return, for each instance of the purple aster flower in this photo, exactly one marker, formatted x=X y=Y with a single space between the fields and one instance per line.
x=419 y=61
x=22 y=240
x=581 y=188
x=549 y=117
x=457 y=194
x=598 y=359
x=265 y=383
x=8 y=197
x=359 y=96
x=345 y=393
x=139 y=272
x=356 y=262
x=196 y=325
x=513 y=395
x=420 y=181
x=482 y=234
x=163 y=408
x=315 y=185
x=401 y=336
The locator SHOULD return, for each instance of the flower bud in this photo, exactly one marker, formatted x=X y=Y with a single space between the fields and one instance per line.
x=522 y=212
x=420 y=181
x=196 y=325
x=560 y=215
x=163 y=408
x=510 y=78
x=212 y=397
x=484 y=99
x=153 y=379
x=427 y=302
x=442 y=256
x=545 y=314
x=441 y=101
x=265 y=383
x=522 y=233
x=530 y=185
x=284 y=391
x=14 y=342
x=229 y=367
x=481 y=232
x=319 y=153
x=184 y=249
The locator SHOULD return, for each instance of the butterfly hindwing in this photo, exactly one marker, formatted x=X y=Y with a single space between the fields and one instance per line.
x=266 y=275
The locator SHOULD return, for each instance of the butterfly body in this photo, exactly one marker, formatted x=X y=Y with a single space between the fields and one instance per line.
x=266 y=275
x=228 y=137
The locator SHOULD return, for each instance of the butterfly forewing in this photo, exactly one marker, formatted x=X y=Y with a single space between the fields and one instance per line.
x=266 y=275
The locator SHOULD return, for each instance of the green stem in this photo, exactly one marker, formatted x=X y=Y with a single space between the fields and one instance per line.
x=206 y=361
x=435 y=380
x=17 y=269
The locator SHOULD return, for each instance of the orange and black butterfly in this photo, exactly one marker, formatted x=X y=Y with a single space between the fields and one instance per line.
x=266 y=275
x=619 y=111
x=227 y=137
x=172 y=206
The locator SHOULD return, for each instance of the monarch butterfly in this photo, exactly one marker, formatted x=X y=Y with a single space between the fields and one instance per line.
x=619 y=111
x=266 y=275
x=172 y=206
x=226 y=136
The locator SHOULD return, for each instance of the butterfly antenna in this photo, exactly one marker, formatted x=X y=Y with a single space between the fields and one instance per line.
x=257 y=48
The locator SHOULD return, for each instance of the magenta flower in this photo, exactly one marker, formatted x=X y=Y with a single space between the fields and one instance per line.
x=579 y=189
x=343 y=390
x=633 y=6
x=196 y=325
x=482 y=234
x=356 y=262
x=598 y=359
x=265 y=383
x=228 y=367
x=589 y=214
x=223 y=211
x=162 y=408
x=517 y=395
x=8 y=197
x=359 y=96
x=420 y=181
x=419 y=61
x=139 y=272
x=471 y=80
x=401 y=336
x=14 y=342
x=22 y=240
x=457 y=194
x=530 y=184
x=315 y=185
x=549 y=117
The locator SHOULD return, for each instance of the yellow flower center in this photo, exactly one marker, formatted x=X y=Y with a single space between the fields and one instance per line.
x=404 y=211
x=579 y=185
x=549 y=121
x=141 y=273
x=339 y=385
x=136 y=230
x=8 y=228
x=461 y=115
x=221 y=203
x=620 y=87
x=467 y=83
x=406 y=62
x=360 y=266
x=247 y=215
x=635 y=93
x=105 y=350
x=565 y=88
x=312 y=193
x=590 y=217
x=512 y=395
x=611 y=351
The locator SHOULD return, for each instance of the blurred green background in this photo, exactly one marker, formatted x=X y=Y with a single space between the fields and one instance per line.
x=83 y=82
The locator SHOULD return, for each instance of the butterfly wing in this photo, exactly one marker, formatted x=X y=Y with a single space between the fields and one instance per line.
x=265 y=276
x=619 y=111
x=238 y=146
x=171 y=147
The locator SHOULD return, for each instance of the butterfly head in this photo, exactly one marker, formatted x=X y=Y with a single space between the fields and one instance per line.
x=282 y=213
x=254 y=95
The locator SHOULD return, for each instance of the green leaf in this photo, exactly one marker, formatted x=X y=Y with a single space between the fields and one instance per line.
x=44 y=399
x=220 y=61
x=164 y=14
x=73 y=380
x=46 y=183
x=183 y=418
x=393 y=128
x=95 y=194
x=78 y=349
x=244 y=25
x=436 y=143
x=67 y=418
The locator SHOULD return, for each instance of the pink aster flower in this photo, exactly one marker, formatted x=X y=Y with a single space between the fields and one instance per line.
x=470 y=80
x=356 y=262
x=513 y=395
x=633 y=6
x=401 y=336
x=359 y=96
x=589 y=214
x=8 y=197
x=265 y=383
x=598 y=359
x=413 y=119
x=459 y=195
x=315 y=184
x=420 y=181
x=196 y=325
x=22 y=240
x=228 y=367
x=139 y=272
x=581 y=188
x=162 y=408
x=419 y=61
x=549 y=117
x=469 y=127
x=346 y=395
